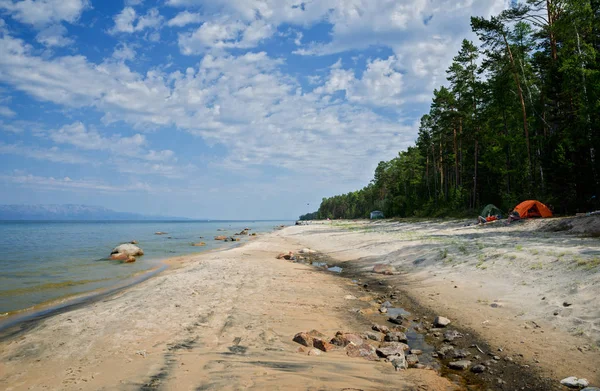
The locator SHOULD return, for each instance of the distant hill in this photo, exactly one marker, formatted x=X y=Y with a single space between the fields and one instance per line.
x=71 y=212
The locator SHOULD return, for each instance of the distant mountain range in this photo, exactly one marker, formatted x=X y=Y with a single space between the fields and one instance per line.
x=71 y=212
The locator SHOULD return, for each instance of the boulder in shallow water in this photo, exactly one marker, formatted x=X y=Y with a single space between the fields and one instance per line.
x=127 y=248
x=160 y=233
x=119 y=256
x=130 y=259
x=221 y=237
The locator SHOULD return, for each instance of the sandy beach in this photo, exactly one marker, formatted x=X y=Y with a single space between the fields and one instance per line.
x=522 y=301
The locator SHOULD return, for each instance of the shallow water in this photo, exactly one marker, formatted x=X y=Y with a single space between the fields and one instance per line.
x=44 y=261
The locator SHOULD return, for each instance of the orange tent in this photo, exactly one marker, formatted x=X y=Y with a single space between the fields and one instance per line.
x=532 y=208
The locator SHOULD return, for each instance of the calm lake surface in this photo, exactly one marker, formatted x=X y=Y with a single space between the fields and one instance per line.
x=42 y=261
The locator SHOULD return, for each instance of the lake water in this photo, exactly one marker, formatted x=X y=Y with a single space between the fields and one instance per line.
x=45 y=261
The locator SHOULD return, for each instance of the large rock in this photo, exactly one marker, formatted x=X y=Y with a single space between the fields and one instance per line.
x=363 y=350
x=412 y=360
x=221 y=237
x=573 y=382
x=343 y=339
x=440 y=321
x=323 y=345
x=392 y=349
x=303 y=339
x=384 y=268
x=127 y=248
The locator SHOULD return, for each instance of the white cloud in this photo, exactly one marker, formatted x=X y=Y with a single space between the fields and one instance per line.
x=224 y=34
x=54 y=35
x=184 y=18
x=67 y=183
x=128 y=21
x=6 y=112
x=45 y=12
x=53 y=154
x=124 y=52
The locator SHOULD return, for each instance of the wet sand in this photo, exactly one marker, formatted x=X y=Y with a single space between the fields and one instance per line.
x=225 y=320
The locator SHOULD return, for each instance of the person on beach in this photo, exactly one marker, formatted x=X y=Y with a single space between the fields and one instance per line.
x=514 y=216
x=489 y=219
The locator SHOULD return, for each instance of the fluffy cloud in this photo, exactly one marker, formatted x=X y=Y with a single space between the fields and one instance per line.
x=128 y=21
x=224 y=34
x=45 y=12
x=53 y=154
x=184 y=18
x=54 y=35
x=66 y=183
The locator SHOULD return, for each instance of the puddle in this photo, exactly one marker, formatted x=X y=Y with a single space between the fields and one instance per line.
x=319 y=264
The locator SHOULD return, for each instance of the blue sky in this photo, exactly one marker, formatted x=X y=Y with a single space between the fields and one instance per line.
x=232 y=109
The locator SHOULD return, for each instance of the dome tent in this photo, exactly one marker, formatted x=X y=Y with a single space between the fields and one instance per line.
x=532 y=208
x=491 y=210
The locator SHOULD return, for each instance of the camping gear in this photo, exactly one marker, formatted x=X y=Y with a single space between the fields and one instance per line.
x=377 y=214
x=491 y=210
x=491 y=218
x=532 y=208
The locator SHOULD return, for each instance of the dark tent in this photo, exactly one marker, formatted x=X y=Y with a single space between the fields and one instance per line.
x=491 y=210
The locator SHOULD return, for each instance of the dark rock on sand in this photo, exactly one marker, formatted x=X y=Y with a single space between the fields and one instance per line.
x=303 y=339
x=396 y=319
x=461 y=353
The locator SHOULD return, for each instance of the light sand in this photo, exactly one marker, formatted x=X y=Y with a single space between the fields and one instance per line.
x=505 y=283
x=223 y=320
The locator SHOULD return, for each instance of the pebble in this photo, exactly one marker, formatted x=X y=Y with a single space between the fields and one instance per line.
x=461 y=364
x=451 y=335
x=440 y=321
x=567 y=304
x=478 y=368
x=383 y=310
x=399 y=362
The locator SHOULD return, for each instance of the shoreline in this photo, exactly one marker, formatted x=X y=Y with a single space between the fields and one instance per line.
x=225 y=320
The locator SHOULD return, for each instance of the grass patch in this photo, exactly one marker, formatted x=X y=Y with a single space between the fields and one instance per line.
x=463 y=249
x=537 y=266
x=518 y=247
x=587 y=264
x=444 y=253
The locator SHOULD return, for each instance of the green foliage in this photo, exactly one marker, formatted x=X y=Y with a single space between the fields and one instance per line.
x=520 y=119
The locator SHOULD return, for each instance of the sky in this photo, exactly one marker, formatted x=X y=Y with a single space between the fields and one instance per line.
x=220 y=109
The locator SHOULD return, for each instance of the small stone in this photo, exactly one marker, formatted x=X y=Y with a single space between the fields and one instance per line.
x=399 y=362
x=497 y=358
x=322 y=345
x=387 y=304
x=445 y=350
x=383 y=310
x=460 y=365
x=574 y=382
x=350 y=297
x=382 y=268
x=567 y=304
x=461 y=353
x=440 y=321
x=478 y=368
x=395 y=337
x=381 y=329
x=314 y=352
x=412 y=360
x=373 y=336
x=396 y=319
x=416 y=351
x=451 y=335
x=556 y=312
